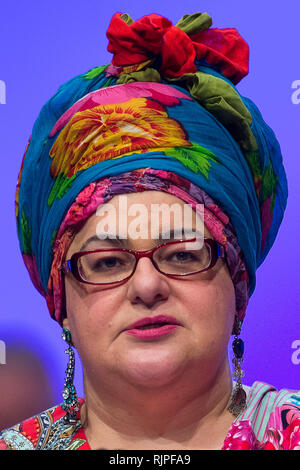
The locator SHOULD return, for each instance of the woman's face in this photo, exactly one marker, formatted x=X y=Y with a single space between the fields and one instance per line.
x=204 y=304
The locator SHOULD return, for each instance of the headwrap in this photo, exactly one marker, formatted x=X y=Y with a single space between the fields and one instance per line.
x=164 y=115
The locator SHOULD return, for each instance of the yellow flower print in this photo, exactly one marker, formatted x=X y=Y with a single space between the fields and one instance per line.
x=109 y=131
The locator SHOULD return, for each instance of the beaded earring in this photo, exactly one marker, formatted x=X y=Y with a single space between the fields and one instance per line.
x=71 y=403
x=238 y=396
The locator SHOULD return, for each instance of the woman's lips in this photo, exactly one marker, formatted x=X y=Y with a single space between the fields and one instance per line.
x=153 y=327
x=164 y=319
x=152 y=332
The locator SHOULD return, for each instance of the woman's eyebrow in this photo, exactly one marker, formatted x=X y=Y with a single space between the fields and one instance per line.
x=181 y=233
x=117 y=241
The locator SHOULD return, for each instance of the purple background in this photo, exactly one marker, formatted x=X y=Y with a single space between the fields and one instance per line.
x=43 y=44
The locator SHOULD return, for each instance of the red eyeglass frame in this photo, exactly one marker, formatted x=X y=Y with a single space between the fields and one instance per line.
x=71 y=265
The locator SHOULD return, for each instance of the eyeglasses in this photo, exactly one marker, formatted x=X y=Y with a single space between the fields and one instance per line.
x=115 y=265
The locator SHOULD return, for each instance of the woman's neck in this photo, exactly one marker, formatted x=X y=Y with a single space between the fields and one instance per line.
x=180 y=416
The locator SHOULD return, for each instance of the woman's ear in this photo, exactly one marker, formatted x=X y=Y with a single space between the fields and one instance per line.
x=237 y=325
x=67 y=334
x=66 y=323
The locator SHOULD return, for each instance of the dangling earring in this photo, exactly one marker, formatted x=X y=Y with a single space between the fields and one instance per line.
x=71 y=403
x=238 y=396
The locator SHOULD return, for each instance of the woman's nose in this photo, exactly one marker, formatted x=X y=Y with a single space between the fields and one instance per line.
x=147 y=285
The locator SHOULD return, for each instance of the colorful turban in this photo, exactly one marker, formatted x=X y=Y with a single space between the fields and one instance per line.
x=164 y=115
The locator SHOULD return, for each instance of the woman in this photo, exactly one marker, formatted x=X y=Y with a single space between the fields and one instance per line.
x=162 y=125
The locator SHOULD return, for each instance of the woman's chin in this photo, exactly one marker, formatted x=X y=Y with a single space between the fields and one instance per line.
x=153 y=367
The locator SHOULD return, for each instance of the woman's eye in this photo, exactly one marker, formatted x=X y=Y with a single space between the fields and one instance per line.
x=111 y=262
x=183 y=256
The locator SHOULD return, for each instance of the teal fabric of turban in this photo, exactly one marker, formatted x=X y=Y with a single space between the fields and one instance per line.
x=151 y=107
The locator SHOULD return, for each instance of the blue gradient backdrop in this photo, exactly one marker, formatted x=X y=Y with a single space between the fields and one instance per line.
x=43 y=44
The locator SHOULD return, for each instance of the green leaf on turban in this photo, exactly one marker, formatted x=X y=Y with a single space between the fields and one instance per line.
x=26 y=234
x=196 y=158
x=94 y=72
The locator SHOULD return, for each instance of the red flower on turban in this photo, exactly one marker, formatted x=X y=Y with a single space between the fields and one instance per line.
x=134 y=42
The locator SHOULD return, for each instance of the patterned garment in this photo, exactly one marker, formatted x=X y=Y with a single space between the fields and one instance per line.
x=170 y=108
x=271 y=421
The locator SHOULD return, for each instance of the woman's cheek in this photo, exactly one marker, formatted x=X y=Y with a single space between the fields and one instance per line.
x=212 y=303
